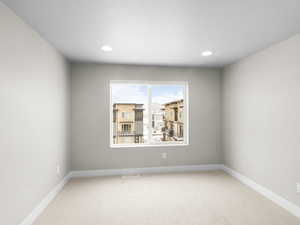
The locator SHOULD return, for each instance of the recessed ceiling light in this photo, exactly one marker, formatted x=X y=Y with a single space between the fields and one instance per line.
x=106 y=48
x=207 y=53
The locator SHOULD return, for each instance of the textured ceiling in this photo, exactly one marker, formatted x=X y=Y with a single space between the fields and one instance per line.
x=161 y=32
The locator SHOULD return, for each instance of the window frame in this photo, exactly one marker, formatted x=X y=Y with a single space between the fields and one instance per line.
x=151 y=83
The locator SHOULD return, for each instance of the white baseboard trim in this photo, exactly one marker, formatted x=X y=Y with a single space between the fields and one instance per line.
x=29 y=220
x=132 y=171
x=289 y=206
x=292 y=208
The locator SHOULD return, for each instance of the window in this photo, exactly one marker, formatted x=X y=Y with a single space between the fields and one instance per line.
x=148 y=113
x=126 y=128
x=126 y=115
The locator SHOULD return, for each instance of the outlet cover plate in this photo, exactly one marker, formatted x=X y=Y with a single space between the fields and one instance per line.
x=58 y=169
x=298 y=187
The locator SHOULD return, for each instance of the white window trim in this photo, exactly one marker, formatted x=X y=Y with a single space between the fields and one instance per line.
x=165 y=144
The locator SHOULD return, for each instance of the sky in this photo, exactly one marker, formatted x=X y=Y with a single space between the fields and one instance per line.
x=161 y=94
x=166 y=93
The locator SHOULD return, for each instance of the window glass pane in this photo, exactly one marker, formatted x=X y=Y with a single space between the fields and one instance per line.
x=129 y=104
x=167 y=112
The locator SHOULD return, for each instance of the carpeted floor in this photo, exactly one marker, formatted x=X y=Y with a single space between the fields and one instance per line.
x=200 y=198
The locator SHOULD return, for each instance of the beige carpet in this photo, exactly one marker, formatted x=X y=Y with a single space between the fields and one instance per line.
x=202 y=198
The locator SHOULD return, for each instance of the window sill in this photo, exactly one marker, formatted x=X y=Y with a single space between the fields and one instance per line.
x=150 y=145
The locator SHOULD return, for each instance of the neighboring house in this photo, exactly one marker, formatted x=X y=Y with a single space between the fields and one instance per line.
x=157 y=122
x=157 y=119
x=128 y=123
x=173 y=121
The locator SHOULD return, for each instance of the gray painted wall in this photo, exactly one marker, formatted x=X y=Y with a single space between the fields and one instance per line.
x=90 y=117
x=262 y=117
x=33 y=118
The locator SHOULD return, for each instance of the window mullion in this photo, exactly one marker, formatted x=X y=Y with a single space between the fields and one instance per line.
x=149 y=127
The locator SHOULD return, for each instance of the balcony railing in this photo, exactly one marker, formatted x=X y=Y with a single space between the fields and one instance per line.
x=128 y=133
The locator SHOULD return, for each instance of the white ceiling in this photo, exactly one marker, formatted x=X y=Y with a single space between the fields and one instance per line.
x=163 y=32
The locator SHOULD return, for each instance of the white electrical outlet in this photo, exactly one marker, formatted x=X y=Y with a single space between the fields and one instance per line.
x=57 y=169
x=164 y=155
x=298 y=187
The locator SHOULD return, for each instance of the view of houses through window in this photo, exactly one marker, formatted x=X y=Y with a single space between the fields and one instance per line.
x=148 y=113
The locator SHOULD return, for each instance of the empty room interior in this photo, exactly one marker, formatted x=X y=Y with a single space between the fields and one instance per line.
x=144 y=112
